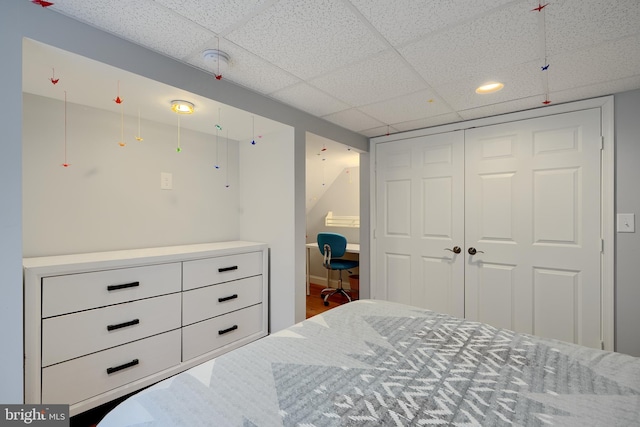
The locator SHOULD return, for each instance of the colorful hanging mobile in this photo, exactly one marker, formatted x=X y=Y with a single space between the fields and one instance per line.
x=542 y=37
x=53 y=79
x=138 y=136
x=66 y=163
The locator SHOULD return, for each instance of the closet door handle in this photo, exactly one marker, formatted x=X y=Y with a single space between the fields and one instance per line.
x=226 y=331
x=455 y=250
x=134 y=362
x=473 y=251
x=123 y=325
x=123 y=286
x=230 y=297
x=223 y=269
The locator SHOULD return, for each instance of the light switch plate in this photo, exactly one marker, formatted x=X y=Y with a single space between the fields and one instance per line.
x=166 y=181
x=626 y=223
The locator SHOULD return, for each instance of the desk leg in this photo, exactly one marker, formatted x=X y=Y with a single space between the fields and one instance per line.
x=308 y=271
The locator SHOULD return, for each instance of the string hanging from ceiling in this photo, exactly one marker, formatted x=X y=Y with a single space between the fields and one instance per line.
x=139 y=135
x=226 y=172
x=218 y=128
x=542 y=40
x=53 y=79
x=66 y=163
x=253 y=130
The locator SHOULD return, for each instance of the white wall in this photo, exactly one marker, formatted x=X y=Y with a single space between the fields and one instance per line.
x=627 y=269
x=110 y=196
x=11 y=354
x=267 y=195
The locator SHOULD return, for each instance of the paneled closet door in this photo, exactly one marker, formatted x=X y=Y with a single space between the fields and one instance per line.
x=532 y=212
x=420 y=222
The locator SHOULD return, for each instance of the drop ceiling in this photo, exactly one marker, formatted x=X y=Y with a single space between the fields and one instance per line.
x=378 y=67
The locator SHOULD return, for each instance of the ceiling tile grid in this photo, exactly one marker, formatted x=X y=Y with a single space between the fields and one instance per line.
x=573 y=25
x=381 y=76
x=142 y=22
x=368 y=65
x=354 y=119
x=491 y=42
x=309 y=99
x=419 y=18
x=215 y=16
x=307 y=37
x=409 y=107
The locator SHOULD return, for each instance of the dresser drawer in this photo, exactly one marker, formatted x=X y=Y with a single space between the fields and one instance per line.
x=79 y=379
x=212 y=334
x=76 y=292
x=204 y=272
x=74 y=335
x=211 y=301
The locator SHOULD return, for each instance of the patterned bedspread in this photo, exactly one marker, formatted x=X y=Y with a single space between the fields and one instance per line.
x=376 y=363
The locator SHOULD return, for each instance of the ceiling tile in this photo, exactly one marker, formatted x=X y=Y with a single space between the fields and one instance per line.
x=521 y=81
x=214 y=16
x=141 y=22
x=419 y=18
x=309 y=99
x=574 y=24
x=492 y=42
x=380 y=77
x=406 y=108
x=308 y=38
x=595 y=65
x=353 y=119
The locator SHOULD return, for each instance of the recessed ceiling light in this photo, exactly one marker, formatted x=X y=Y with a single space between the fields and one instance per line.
x=489 y=87
x=182 y=107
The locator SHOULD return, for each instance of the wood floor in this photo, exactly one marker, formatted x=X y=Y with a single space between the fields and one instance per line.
x=315 y=304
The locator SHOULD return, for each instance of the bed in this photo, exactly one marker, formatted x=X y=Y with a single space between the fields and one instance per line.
x=377 y=363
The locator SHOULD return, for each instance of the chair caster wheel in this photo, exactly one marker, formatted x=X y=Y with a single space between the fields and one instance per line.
x=326 y=303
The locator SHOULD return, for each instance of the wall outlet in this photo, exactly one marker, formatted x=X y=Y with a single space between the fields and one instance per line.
x=166 y=181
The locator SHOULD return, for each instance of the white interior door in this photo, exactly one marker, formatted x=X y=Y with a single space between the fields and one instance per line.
x=533 y=208
x=420 y=219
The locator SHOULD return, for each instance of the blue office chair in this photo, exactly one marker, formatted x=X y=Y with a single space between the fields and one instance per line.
x=333 y=246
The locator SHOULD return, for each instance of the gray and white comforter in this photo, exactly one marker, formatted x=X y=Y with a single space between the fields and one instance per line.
x=376 y=363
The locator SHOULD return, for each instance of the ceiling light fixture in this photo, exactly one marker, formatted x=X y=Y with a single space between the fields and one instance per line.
x=182 y=107
x=489 y=88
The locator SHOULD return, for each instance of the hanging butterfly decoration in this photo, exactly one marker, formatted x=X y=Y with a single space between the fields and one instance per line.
x=53 y=79
x=543 y=49
x=42 y=3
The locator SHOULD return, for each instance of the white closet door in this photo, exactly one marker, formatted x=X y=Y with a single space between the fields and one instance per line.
x=533 y=208
x=420 y=214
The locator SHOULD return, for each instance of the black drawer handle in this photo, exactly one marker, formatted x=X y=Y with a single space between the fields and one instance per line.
x=223 y=269
x=123 y=286
x=134 y=362
x=123 y=325
x=226 y=331
x=230 y=297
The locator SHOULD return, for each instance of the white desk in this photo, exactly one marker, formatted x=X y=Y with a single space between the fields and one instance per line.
x=353 y=248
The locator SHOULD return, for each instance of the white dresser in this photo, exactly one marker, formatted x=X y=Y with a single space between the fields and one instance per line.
x=102 y=325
